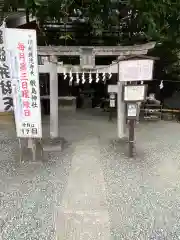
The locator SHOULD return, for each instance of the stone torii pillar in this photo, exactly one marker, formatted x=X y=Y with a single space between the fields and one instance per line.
x=54 y=126
x=121 y=108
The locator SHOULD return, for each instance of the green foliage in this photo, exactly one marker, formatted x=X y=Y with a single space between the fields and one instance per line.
x=161 y=19
x=134 y=21
x=148 y=19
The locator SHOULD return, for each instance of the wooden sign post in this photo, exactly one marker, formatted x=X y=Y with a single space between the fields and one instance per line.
x=131 y=116
x=133 y=69
x=132 y=95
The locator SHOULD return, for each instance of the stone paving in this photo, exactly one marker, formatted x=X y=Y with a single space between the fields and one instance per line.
x=84 y=213
x=91 y=190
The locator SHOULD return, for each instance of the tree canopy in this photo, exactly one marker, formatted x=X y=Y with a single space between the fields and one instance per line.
x=115 y=21
x=132 y=19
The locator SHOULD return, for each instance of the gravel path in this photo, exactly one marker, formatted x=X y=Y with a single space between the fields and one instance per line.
x=30 y=192
x=144 y=193
x=92 y=186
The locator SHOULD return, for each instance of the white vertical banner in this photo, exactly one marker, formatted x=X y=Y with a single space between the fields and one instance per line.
x=21 y=45
x=6 y=101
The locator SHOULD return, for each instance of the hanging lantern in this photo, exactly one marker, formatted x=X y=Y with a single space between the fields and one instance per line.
x=90 y=77
x=97 y=76
x=161 y=85
x=83 y=78
x=77 y=78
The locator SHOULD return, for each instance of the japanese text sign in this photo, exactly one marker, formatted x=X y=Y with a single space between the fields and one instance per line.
x=132 y=110
x=136 y=70
x=134 y=93
x=6 y=101
x=25 y=81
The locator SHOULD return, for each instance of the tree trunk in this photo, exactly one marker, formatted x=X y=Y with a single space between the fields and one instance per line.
x=27 y=15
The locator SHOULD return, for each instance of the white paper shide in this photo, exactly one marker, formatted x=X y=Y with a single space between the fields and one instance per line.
x=22 y=49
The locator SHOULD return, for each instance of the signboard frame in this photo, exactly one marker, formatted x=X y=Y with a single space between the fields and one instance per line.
x=136 y=70
x=112 y=88
x=141 y=87
x=112 y=100
x=130 y=117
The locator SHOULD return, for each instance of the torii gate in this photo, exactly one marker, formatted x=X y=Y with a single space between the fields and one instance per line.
x=87 y=55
